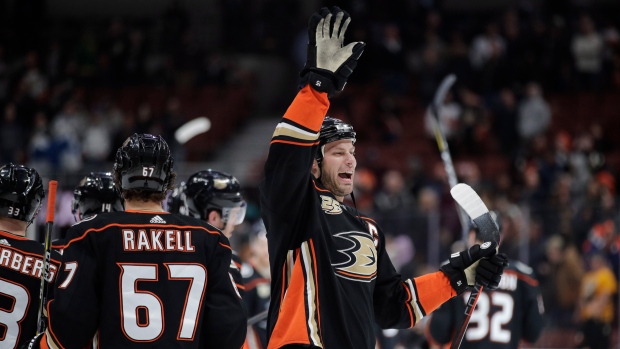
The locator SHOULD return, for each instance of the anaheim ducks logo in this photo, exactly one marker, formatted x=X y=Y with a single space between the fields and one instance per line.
x=361 y=257
x=330 y=206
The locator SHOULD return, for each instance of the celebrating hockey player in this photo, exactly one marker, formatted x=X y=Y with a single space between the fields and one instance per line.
x=21 y=259
x=331 y=275
x=143 y=277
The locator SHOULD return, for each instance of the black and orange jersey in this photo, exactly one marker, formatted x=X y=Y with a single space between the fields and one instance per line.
x=21 y=265
x=235 y=272
x=145 y=279
x=256 y=299
x=331 y=275
x=501 y=319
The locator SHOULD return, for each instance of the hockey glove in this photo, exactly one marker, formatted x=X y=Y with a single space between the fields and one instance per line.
x=462 y=266
x=329 y=64
x=489 y=271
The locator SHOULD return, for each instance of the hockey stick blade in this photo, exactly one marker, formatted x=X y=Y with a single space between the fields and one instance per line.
x=191 y=129
x=471 y=203
x=469 y=200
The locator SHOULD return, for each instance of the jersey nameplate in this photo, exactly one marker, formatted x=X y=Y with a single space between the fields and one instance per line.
x=25 y=264
x=157 y=240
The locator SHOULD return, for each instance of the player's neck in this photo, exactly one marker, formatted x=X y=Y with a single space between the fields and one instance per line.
x=13 y=226
x=139 y=205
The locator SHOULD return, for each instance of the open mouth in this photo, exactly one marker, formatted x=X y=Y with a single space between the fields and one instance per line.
x=345 y=175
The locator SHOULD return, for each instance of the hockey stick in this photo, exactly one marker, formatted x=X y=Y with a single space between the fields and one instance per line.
x=440 y=96
x=191 y=129
x=45 y=272
x=258 y=317
x=467 y=198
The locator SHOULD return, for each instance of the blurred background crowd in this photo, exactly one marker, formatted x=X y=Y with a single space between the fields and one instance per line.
x=532 y=122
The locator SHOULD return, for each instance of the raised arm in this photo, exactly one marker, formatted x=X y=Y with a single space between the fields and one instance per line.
x=294 y=142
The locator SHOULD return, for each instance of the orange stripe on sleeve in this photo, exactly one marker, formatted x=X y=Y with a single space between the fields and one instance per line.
x=290 y=327
x=433 y=290
x=308 y=108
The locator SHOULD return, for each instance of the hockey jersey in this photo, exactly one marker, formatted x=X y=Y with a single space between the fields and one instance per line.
x=501 y=319
x=331 y=275
x=21 y=265
x=235 y=272
x=256 y=299
x=146 y=279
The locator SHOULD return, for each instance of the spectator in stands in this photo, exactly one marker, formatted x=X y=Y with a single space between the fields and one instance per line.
x=505 y=122
x=4 y=75
x=587 y=47
x=67 y=127
x=534 y=115
x=40 y=145
x=560 y=274
x=449 y=114
x=393 y=194
x=11 y=136
x=485 y=45
x=596 y=303
x=474 y=125
x=98 y=141
x=392 y=56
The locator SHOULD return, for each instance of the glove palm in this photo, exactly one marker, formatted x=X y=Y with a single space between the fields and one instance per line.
x=329 y=64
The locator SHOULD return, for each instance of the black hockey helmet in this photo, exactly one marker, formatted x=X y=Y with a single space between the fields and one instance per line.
x=94 y=194
x=333 y=130
x=144 y=162
x=214 y=190
x=176 y=200
x=21 y=192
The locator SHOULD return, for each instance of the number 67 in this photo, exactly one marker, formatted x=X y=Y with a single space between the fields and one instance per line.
x=147 y=171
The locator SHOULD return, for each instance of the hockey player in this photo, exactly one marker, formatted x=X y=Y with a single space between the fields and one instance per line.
x=216 y=198
x=143 y=277
x=21 y=259
x=331 y=275
x=257 y=281
x=502 y=319
x=96 y=193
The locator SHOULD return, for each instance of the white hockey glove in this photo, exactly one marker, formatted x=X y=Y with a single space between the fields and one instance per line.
x=329 y=64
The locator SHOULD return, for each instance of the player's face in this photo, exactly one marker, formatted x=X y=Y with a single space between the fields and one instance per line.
x=338 y=167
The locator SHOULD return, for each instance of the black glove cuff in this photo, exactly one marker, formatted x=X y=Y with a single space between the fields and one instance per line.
x=457 y=277
x=319 y=79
